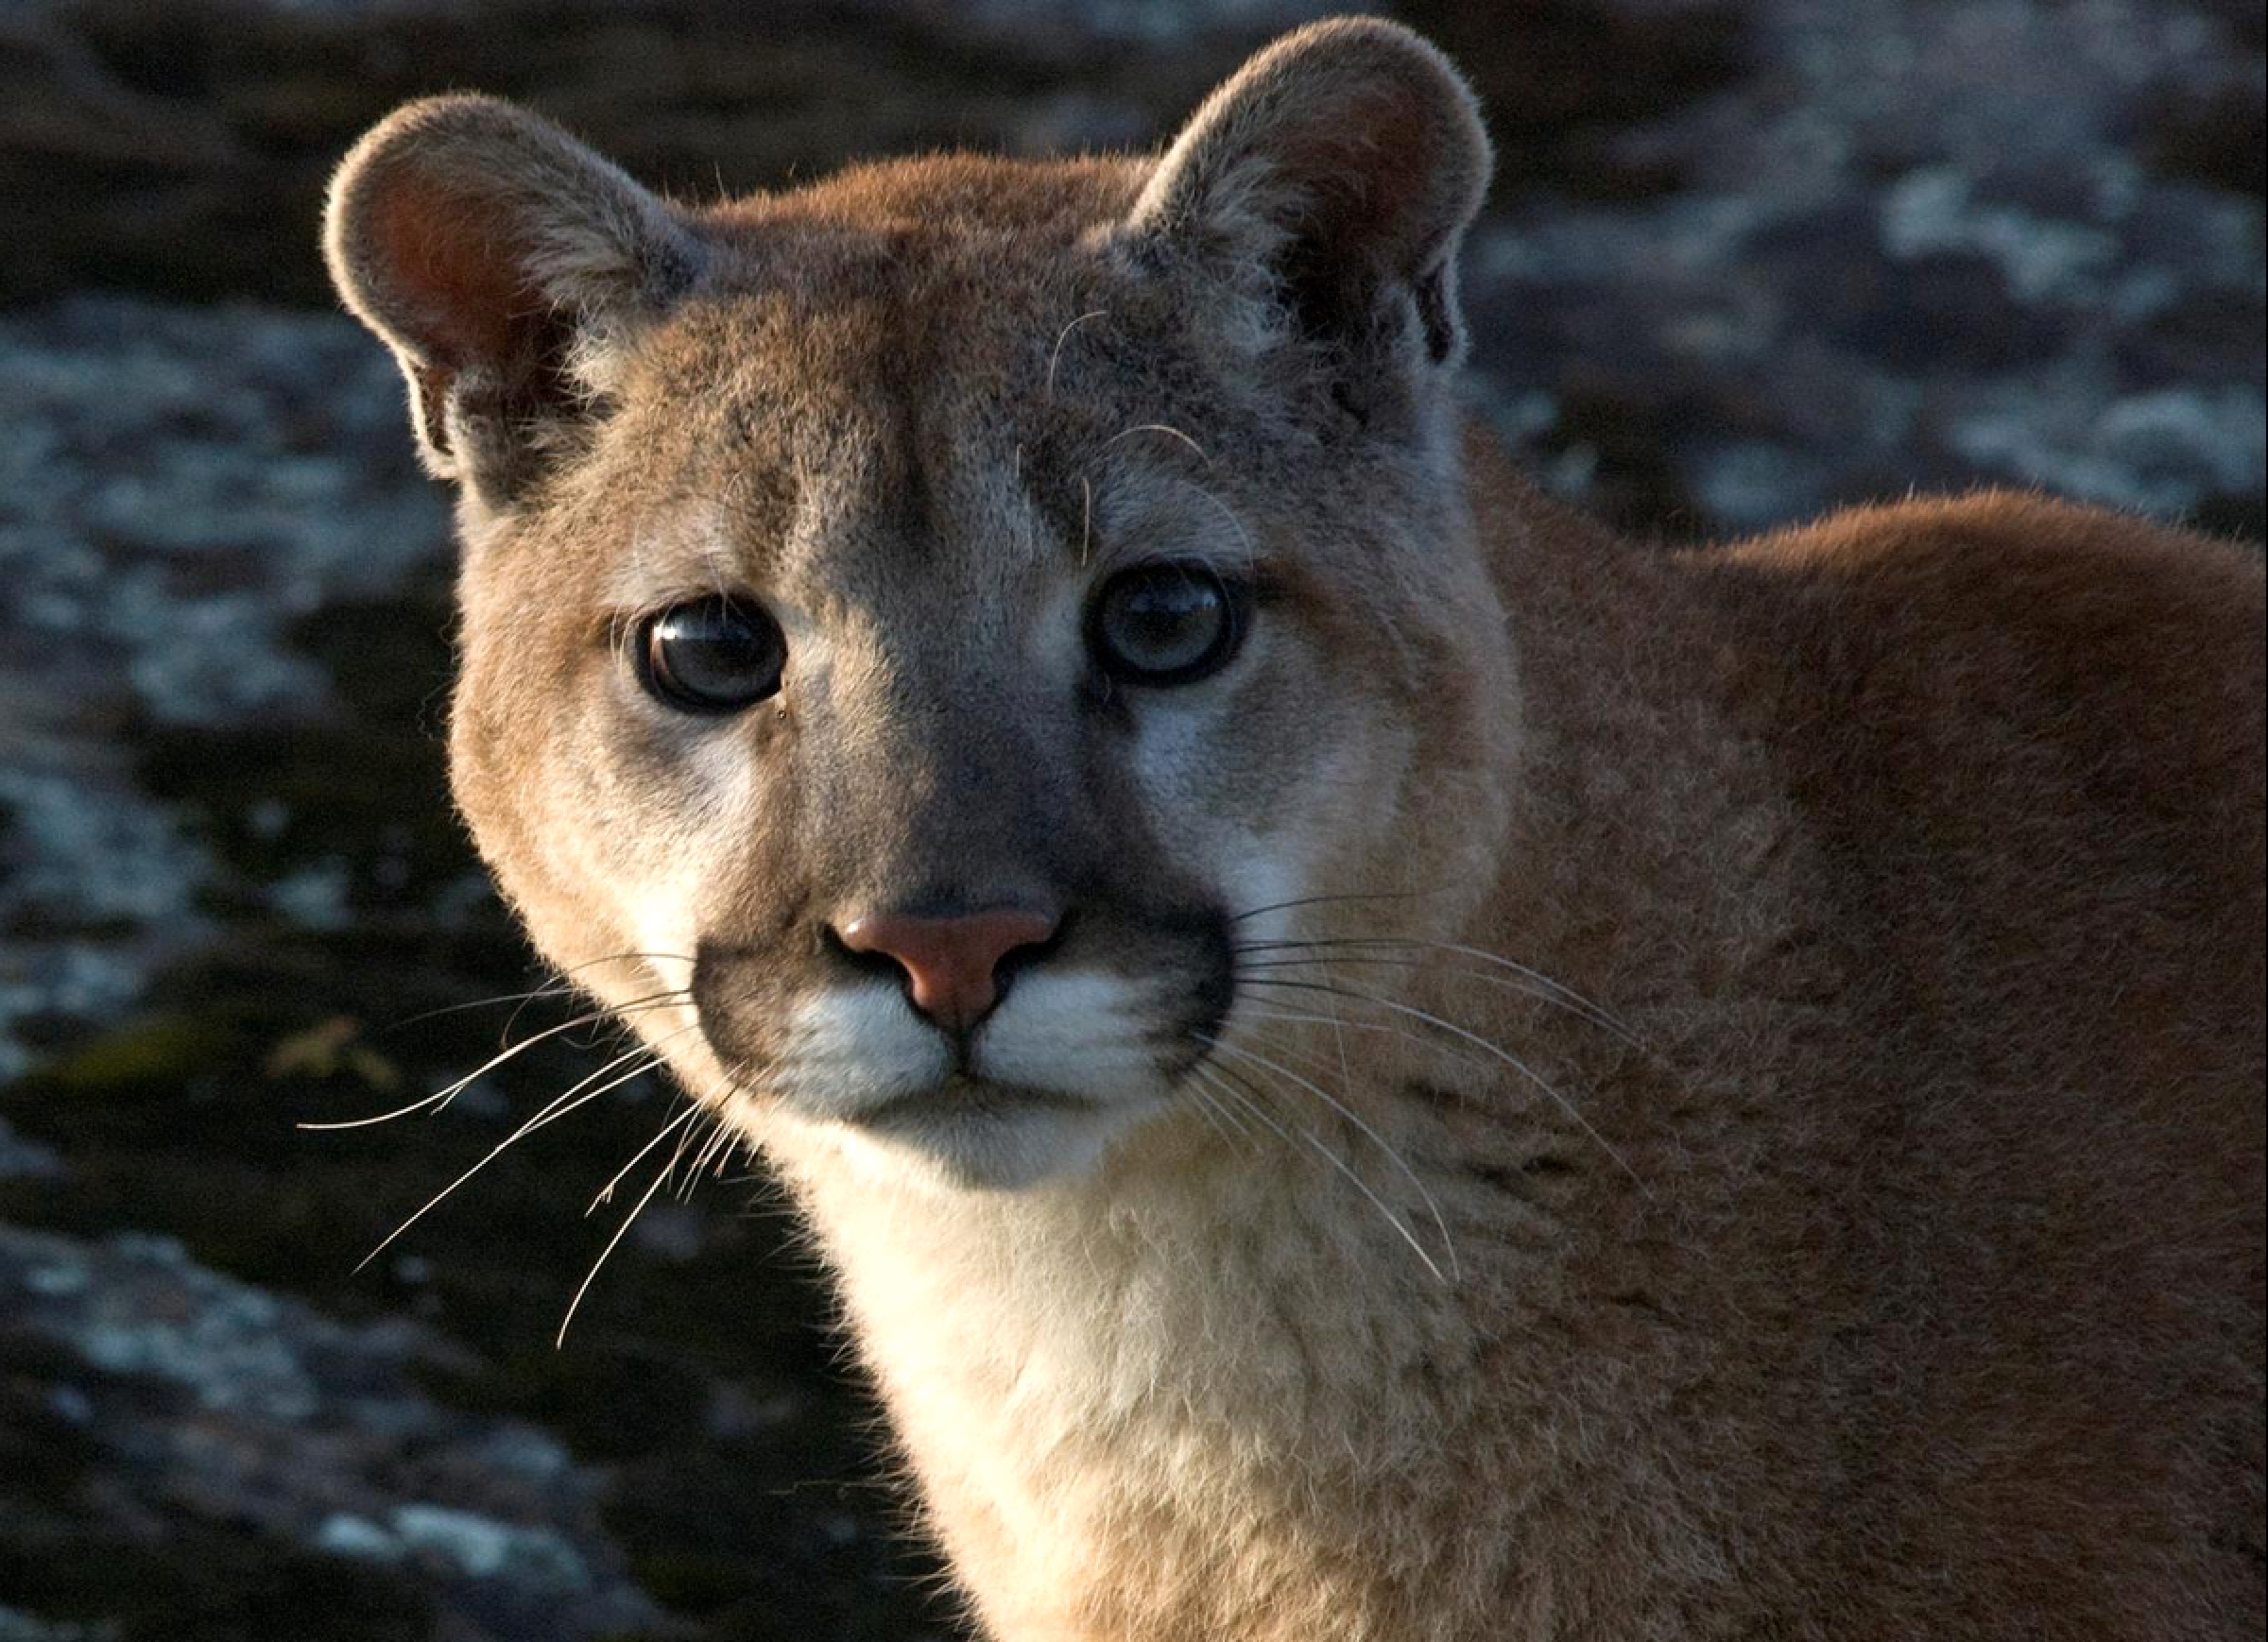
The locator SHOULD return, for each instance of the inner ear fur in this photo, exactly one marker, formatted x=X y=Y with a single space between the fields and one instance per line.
x=487 y=249
x=1337 y=172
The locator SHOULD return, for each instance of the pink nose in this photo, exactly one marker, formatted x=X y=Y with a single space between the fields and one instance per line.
x=952 y=965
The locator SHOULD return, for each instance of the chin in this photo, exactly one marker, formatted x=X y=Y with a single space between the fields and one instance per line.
x=968 y=1135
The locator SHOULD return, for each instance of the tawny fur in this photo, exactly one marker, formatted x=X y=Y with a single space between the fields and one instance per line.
x=1887 y=1266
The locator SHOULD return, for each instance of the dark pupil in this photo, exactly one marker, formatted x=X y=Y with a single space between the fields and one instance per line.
x=715 y=654
x=1163 y=621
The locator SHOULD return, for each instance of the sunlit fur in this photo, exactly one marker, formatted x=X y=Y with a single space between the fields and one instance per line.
x=1741 y=1111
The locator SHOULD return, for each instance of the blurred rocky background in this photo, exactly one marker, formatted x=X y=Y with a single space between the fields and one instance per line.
x=1746 y=259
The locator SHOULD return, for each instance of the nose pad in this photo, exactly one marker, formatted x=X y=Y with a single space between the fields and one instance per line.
x=952 y=963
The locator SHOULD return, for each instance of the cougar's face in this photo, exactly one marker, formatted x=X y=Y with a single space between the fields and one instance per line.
x=925 y=631
x=945 y=703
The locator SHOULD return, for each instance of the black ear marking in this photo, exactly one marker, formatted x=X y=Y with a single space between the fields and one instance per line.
x=1438 y=314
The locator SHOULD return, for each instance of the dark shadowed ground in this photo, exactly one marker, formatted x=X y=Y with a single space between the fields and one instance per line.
x=1746 y=259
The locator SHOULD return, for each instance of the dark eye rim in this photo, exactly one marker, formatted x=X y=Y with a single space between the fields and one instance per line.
x=654 y=676
x=1236 y=604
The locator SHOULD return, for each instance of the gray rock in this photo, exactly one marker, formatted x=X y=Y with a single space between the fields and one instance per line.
x=182 y=147
x=199 y=1396
x=22 y=1159
x=178 y=487
x=16 y=1626
x=1912 y=246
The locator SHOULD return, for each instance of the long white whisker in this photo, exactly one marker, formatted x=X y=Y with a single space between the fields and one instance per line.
x=1487 y=1047
x=441 y=1097
x=1338 y=1035
x=558 y=986
x=1449 y=1243
x=692 y=1175
x=1212 y=1112
x=1313 y=901
x=1231 y=1098
x=716 y=1148
x=1238 y=1130
x=1400 y=1227
x=1260 y=1012
x=606 y=1192
x=629 y=1219
x=567 y=986
x=1523 y=985
x=644 y=1061
x=1588 y=1008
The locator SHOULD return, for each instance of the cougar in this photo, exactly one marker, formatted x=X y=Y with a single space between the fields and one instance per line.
x=1374 y=1063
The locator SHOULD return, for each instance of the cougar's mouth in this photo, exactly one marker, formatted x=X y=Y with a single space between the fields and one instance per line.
x=964 y=1097
x=1075 y=1050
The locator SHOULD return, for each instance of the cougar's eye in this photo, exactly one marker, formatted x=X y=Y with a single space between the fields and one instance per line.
x=1164 y=624
x=712 y=655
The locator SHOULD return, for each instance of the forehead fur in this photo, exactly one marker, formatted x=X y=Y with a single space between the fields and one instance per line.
x=888 y=275
x=923 y=348
x=1046 y=202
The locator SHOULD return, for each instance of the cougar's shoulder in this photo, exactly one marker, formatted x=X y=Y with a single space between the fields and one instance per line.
x=2044 y=723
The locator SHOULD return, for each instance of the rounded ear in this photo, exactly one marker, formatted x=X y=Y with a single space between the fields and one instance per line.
x=494 y=254
x=1333 y=178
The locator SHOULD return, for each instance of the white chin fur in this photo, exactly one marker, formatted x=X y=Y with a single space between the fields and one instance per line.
x=1067 y=1047
x=993 y=1152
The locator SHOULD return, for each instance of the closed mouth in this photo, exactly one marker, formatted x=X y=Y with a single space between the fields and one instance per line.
x=963 y=1097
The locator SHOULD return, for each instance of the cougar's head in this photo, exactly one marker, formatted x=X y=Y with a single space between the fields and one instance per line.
x=926 y=633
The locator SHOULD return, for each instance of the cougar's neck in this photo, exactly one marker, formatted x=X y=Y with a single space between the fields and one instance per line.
x=1121 y=1394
